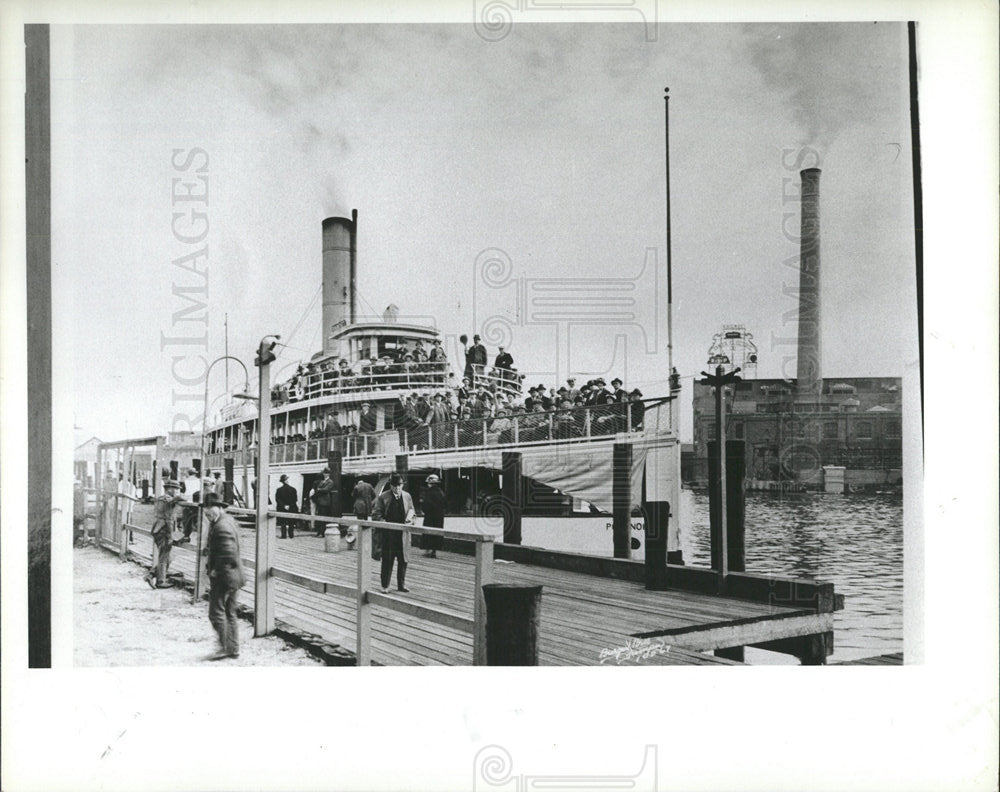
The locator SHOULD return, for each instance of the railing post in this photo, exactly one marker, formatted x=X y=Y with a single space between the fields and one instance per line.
x=363 y=650
x=517 y=423
x=484 y=431
x=484 y=576
x=586 y=422
x=455 y=426
x=263 y=594
x=263 y=611
x=122 y=533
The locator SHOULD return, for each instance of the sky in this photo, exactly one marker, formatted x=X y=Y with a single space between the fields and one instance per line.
x=542 y=152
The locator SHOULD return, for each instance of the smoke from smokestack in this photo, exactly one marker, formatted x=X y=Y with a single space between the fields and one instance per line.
x=805 y=63
x=809 y=378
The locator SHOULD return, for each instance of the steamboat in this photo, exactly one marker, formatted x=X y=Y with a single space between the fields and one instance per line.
x=382 y=396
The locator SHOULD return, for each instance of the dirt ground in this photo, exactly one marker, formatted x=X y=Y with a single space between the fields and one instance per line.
x=118 y=620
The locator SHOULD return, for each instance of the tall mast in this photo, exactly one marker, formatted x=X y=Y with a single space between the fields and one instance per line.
x=670 y=290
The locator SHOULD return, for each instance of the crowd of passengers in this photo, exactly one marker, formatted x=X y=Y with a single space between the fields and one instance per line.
x=399 y=367
x=492 y=409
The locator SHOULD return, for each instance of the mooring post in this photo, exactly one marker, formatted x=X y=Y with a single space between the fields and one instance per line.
x=484 y=577
x=621 y=499
x=513 y=614
x=511 y=496
x=720 y=557
x=735 y=511
x=656 y=519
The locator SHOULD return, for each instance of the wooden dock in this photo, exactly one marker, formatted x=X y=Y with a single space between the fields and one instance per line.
x=593 y=616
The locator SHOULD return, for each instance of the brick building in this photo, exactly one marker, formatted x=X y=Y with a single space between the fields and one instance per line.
x=853 y=422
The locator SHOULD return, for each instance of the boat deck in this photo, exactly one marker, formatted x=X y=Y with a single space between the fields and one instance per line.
x=585 y=619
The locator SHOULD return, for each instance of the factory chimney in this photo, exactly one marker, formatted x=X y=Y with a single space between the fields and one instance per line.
x=809 y=378
x=340 y=257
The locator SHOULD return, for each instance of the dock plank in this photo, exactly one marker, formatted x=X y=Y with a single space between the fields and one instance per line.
x=581 y=616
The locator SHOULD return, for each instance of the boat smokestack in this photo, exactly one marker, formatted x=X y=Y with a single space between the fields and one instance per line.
x=339 y=275
x=809 y=378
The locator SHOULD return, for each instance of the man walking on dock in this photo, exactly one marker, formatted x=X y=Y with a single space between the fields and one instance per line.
x=162 y=531
x=395 y=506
x=225 y=571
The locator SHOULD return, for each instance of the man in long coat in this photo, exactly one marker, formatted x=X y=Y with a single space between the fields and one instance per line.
x=323 y=496
x=287 y=500
x=394 y=505
x=432 y=501
x=225 y=571
x=164 y=517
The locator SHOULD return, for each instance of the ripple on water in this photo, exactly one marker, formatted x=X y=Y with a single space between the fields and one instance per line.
x=853 y=541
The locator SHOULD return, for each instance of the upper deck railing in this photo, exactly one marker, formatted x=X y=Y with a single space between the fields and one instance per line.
x=365 y=378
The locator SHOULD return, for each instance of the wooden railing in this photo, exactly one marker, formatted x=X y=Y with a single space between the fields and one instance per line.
x=115 y=537
x=365 y=598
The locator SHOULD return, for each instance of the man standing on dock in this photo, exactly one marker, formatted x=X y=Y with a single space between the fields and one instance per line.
x=192 y=490
x=225 y=571
x=162 y=531
x=287 y=498
x=395 y=506
x=323 y=495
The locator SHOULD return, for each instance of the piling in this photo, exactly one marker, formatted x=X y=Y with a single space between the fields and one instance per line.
x=621 y=499
x=513 y=614
x=735 y=504
x=512 y=496
x=656 y=518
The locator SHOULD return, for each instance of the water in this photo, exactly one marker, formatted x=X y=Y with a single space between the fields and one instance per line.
x=853 y=541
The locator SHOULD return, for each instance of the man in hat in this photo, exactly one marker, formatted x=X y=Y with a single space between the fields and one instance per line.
x=432 y=501
x=529 y=400
x=476 y=356
x=438 y=417
x=322 y=497
x=287 y=499
x=164 y=517
x=191 y=487
x=602 y=395
x=225 y=573
x=618 y=399
x=366 y=422
x=395 y=505
x=503 y=364
x=438 y=360
x=363 y=496
x=637 y=408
